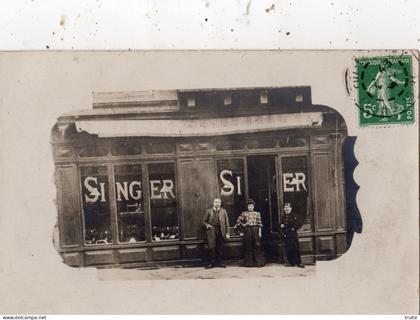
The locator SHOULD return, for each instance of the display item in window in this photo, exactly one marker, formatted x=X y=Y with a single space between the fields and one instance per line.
x=165 y=233
x=95 y=236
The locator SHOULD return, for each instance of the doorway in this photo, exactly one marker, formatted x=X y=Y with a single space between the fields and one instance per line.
x=262 y=188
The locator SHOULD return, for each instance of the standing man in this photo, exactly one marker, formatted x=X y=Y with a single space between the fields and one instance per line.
x=288 y=227
x=216 y=223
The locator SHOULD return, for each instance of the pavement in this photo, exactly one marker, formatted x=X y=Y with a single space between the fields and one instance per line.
x=230 y=272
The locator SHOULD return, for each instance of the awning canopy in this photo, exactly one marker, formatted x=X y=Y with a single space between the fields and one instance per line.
x=199 y=127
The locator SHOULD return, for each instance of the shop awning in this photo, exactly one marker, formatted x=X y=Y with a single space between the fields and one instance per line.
x=199 y=127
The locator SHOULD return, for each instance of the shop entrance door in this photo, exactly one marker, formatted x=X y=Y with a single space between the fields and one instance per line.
x=262 y=188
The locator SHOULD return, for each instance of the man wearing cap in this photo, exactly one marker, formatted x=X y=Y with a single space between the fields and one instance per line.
x=288 y=227
x=216 y=223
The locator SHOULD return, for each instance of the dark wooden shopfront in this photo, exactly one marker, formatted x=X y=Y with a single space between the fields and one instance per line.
x=139 y=200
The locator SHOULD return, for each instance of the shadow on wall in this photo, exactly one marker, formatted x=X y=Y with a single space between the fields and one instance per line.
x=354 y=219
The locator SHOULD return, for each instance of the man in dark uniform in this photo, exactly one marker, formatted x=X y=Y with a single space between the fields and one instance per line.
x=288 y=227
x=216 y=223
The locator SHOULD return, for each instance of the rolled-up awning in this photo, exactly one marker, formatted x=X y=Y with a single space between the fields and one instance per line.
x=199 y=127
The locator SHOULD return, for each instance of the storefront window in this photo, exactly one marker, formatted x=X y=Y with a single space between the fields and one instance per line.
x=229 y=144
x=262 y=144
x=130 y=204
x=95 y=149
x=232 y=187
x=163 y=201
x=95 y=199
x=290 y=141
x=160 y=147
x=125 y=146
x=295 y=182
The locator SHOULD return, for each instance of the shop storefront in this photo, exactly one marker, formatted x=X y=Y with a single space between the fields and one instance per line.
x=135 y=174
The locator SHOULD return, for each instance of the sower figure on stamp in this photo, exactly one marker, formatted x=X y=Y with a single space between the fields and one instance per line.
x=288 y=227
x=216 y=223
x=250 y=223
x=380 y=86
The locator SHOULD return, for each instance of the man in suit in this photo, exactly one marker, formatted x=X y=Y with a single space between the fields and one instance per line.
x=216 y=223
x=288 y=226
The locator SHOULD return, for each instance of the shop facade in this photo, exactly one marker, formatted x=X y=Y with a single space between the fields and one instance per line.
x=135 y=174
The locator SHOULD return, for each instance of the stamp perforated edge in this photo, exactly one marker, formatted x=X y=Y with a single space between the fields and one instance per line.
x=415 y=58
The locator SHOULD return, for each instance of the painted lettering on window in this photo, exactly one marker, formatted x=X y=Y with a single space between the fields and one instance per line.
x=294 y=182
x=128 y=190
x=228 y=188
x=91 y=185
x=162 y=189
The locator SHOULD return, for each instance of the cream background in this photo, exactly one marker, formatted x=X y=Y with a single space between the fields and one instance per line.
x=379 y=274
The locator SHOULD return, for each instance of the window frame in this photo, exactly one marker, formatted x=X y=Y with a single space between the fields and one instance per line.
x=141 y=164
x=279 y=166
x=245 y=175
x=82 y=210
x=146 y=163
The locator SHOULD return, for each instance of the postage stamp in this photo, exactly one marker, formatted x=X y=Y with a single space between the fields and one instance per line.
x=385 y=90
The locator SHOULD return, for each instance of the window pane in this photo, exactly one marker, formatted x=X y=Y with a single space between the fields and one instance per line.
x=290 y=141
x=95 y=199
x=229 y=144
x=163 y=201
x=232 y=187
x=160 y=147
x=295 y=188
x=123 y=147
x=262 y=144
x=97 y=149
x=129 y=197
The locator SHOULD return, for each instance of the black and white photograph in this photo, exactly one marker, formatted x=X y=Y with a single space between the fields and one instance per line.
x=250 y=177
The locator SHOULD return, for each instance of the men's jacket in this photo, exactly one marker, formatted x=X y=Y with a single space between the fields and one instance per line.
x=223 y=220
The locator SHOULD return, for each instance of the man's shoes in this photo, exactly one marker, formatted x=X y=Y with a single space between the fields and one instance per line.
x=221 y=265
x=300 y=266
x=209 y=266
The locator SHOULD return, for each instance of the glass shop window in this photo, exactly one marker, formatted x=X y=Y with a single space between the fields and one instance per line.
x=262 y=144
x=159 y=147
x=130 y=203
x=95 y=200
x=96 y=149
x=295 y=185
x=229 y=144
x=291 y=141
x=231 y=187
x=126 y=146
x=163 y=201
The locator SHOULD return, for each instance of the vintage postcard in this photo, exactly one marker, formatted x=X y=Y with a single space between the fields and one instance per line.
x=177 y=180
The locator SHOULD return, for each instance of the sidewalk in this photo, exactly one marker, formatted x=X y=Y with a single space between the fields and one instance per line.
x=230 y=272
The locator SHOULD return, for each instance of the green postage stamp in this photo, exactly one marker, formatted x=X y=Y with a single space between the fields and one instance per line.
x=385 y=90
